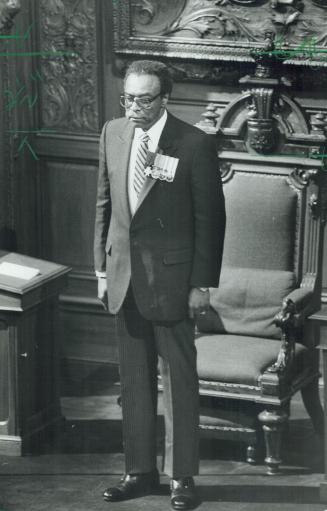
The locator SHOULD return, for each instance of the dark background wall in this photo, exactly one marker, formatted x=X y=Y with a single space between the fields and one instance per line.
x=48 y=188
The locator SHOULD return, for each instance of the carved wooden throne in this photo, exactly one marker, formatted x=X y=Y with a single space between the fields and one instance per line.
x=257 y=346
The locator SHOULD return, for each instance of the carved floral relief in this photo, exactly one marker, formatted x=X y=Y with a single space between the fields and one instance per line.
x=69 y=93
x=217 y=29
x=8 y=10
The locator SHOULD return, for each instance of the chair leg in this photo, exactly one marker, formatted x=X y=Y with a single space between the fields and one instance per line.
x=311 y=400
x=273 y=423
x=255 y=450
x=251 y=454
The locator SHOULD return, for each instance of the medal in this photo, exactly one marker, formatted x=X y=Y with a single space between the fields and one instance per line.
x=163 y=167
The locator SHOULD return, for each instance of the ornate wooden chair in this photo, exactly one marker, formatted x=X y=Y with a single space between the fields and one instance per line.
x=257 y=346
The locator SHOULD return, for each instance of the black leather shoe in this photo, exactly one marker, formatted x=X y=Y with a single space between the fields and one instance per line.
x=182 y=493
x=133 y=485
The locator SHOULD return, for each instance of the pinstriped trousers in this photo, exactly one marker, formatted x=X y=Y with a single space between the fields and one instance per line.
x=141 y=343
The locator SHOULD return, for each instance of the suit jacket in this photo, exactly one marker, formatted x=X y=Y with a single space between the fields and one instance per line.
x=174 y=240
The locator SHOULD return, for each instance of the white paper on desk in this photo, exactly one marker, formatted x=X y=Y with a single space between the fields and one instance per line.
x=18 y=271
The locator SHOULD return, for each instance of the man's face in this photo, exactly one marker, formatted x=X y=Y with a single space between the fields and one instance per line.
x=144 y=87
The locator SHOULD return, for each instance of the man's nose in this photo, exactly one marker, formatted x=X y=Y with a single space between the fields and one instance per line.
x=134 y=105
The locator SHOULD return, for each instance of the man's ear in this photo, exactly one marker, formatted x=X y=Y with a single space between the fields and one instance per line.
x=164 y=99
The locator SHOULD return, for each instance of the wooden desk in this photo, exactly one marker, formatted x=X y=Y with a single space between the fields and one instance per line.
x=29 y=376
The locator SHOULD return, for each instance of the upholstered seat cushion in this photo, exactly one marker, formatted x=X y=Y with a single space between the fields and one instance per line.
x=239 y=359
x=246 y=302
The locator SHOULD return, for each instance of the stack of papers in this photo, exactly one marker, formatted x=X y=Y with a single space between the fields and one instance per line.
x=18 y=271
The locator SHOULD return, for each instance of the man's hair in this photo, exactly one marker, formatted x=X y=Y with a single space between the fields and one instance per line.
x=152 y=67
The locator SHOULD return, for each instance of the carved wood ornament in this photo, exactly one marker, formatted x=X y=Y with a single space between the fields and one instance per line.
x=266 y=120
x=8 y=10
x=221 y=29
x=70 y=85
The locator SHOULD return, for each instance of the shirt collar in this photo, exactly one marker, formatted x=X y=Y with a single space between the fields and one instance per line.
x=155 y=131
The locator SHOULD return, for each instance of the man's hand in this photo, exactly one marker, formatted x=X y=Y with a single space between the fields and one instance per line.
x=102 y=292
x=198 y=302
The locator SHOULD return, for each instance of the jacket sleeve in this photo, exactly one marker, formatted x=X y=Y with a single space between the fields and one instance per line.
x=209 y=215
x=103 y=207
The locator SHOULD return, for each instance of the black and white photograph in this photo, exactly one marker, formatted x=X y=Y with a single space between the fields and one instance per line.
x=163 y=274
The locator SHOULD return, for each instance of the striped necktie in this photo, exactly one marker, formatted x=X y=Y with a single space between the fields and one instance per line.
x=139 y=176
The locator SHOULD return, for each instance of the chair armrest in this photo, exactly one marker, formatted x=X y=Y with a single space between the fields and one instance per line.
x=300 y=296
x=207 y=322
x=297 y=306
x=303 y=300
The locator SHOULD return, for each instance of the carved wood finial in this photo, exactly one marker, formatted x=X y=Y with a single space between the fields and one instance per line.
x=300 y=177
x=210 y=117
x=265 y=58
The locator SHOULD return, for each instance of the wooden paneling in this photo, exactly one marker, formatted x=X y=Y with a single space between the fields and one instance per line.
x=88 y=335
x=18 y=116
x=67 y=207
x=3 y=158
x=4 y=374
x=6 y=145
x=324 y=281
x=189 y=101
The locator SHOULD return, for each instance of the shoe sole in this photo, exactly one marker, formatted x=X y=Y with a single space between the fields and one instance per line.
x=151 y=490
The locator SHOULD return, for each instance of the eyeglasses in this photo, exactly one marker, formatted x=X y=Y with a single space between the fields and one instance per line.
x=127 y=100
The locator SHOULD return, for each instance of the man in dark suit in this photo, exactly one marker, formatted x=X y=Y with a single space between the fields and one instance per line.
x=159 y=232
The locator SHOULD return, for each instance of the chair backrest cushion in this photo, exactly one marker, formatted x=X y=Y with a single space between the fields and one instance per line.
x=263 y=228
x=246 y=302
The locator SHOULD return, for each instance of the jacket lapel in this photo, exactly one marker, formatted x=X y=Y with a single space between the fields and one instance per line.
x=167 y=145
x=123 y=149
